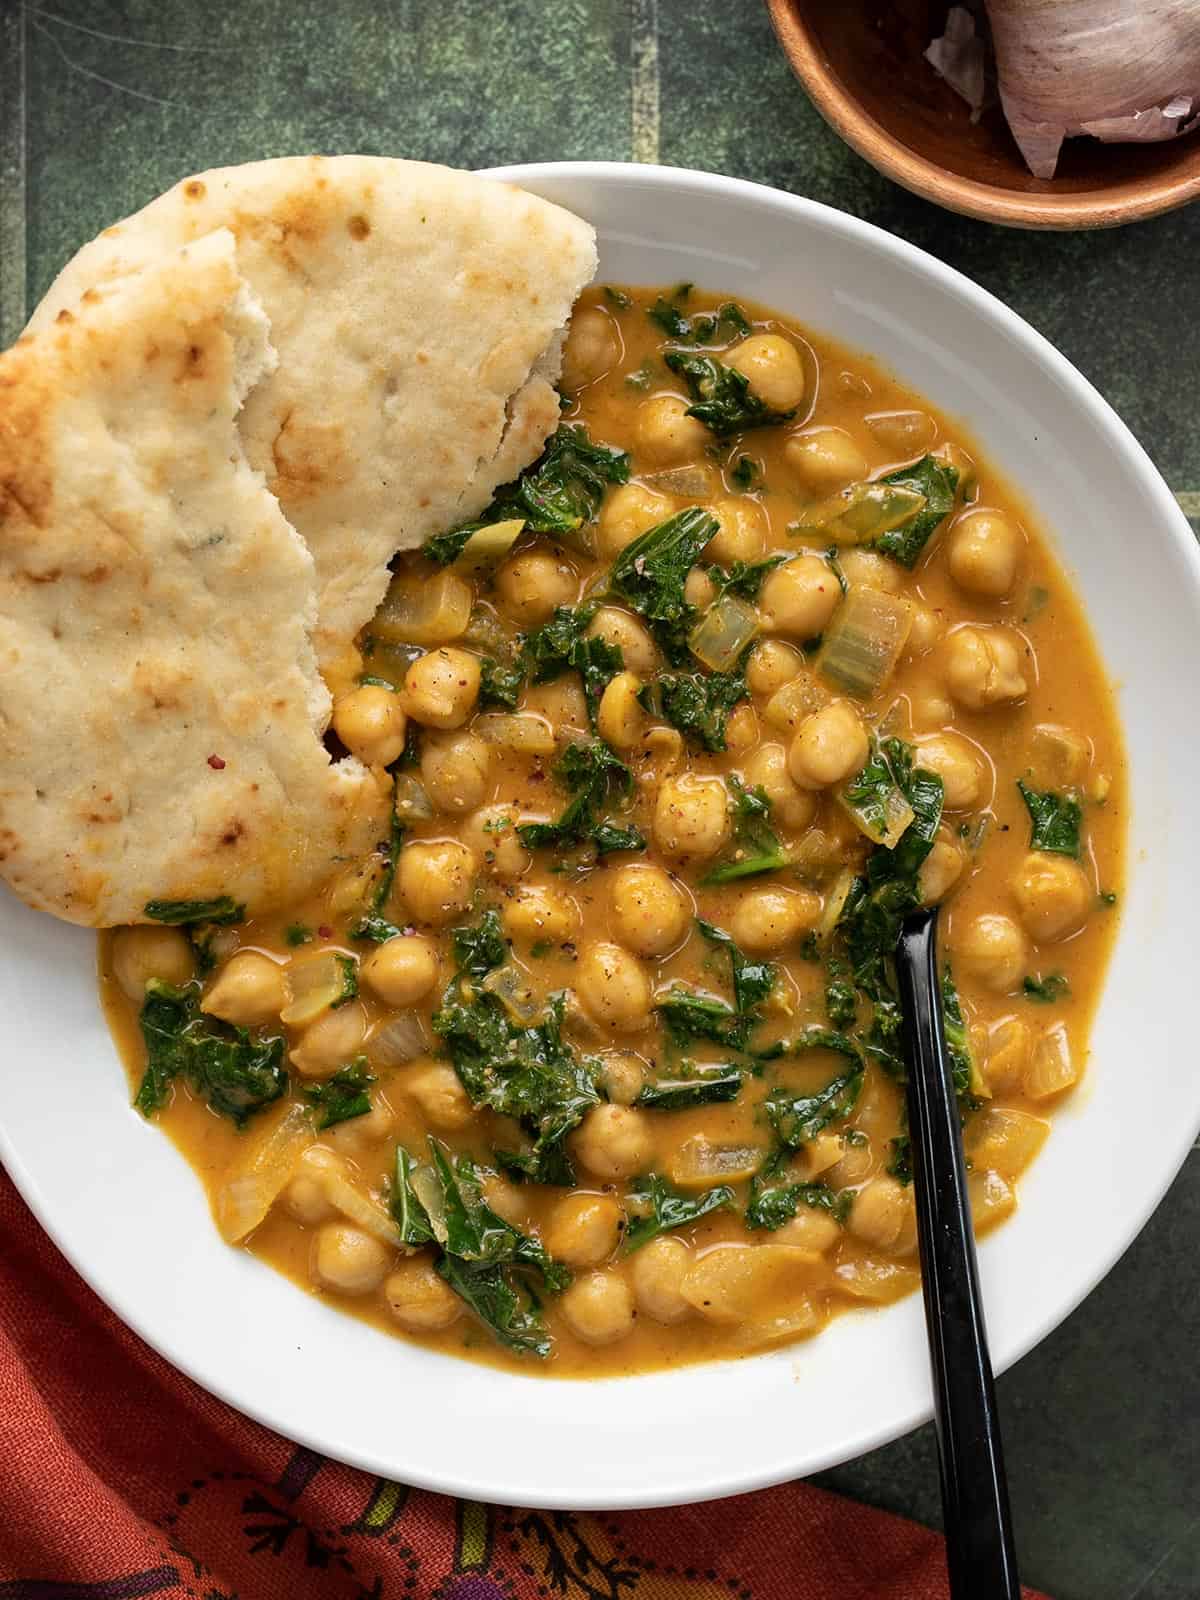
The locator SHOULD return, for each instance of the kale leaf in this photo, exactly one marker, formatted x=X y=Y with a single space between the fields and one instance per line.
x=752 y=979
x=342 y=1097
x=744 y=578
x=797 y=1118
x=721 y=395
x=688 y=1014
x=177 y=913
x=1046 y=991
x=1056 y=820
x=236 y=1074
x=594 y=777
x=958 y=1045
x=714 y=1087
x=499 y=684
x=773 y=1204
x=445 y=548
x=756 y=846
x=938 y=483
x=373 y=924
x=649 y=576
x=666 y=1209
x=560 y=645
x=408 y=1212
x=697 y=703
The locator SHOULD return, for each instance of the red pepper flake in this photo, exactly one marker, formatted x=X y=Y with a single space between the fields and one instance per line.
x=216 y=763
x=325 y=931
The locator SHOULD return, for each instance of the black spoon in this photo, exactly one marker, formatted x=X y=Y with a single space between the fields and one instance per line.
x=979 y=1542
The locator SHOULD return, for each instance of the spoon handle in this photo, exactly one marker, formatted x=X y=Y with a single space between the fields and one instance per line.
x=979 y=1542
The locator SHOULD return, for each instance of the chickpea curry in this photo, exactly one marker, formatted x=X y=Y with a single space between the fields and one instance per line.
x=593 y=1066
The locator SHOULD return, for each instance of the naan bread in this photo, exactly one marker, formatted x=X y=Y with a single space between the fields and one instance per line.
x=418 y=315
x=161 y=711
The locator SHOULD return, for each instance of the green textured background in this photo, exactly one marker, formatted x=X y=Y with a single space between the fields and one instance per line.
x=105 y=102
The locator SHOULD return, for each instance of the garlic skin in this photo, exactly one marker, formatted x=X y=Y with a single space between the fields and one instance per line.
x=1123 y=72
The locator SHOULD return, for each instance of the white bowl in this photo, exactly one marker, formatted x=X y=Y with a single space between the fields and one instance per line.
x=129 y=1214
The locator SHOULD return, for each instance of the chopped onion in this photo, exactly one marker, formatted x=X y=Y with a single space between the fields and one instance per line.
x=863 y=642
x=489 y=545
x=960 y=57
x=748 y=1283
x=523 y=731
x=908 y=433
x=860 y=513
x=398 y=1039
x=359 y=1208
x=880 y=1282
x=793 y=701
x=698 y=1163
x=351 y=891
x=693 y=483
x=991 y=1198
x=723 y=632
x=424 y=610
x=1002 y=1140
x=510 y=985
x=245 y=1197
x=885 y=830
x=1050 y=1068
x=427 y=1187
x=314 y=984
x=411 y=802
x=835 y=902
x=485 y=632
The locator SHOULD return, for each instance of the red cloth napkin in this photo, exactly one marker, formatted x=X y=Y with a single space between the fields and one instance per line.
x=121 y=1478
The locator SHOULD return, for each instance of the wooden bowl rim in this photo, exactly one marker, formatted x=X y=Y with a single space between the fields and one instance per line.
x=1100 y=208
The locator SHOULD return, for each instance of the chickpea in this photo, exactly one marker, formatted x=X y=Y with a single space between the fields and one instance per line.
x=330 y=1041
x=359 y=1133
x=954 y=761
x=613 y=987
x=401 y=971
x=870 y=571
x=930 y=709
x=884 y=1215
x=665 y=433
x=622 y=1076
x=628 y=512
x=532 y=584
x=772 y=664
x=983 y=667
x=830 y=745
x=650 y=914
x=767 y=769
x=774 y=369
x=441 y=688
x=825 y=459
x=593 y=347
x=599 y=1308
x=420 y=1300
x=248 y=991
x=809 y=1229
x=924 y=631
x=443 y=1101
x=699 y=590
x=506 y=1200
x=799 y=597
x=140 y=954
x=1053 y=896
x=741 y=729
x=992 y=949
x=371 y=723
x=742 y=533
x=767 y=919
x=562 y=703
x=536 y=913
x=658 y=1270
x=435 y=878
x=491 y=836
x=614 y=1141
x=455 y=769
x=584 y=1229
x=620 y=718
x=616 y=627
x=306 y=1202
x=939 y=872
x=982 y=553
x=348 y=1260
x=691 y=817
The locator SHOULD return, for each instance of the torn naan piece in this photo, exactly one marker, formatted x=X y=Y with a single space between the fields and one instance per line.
x=418 y=313
x=161 y=711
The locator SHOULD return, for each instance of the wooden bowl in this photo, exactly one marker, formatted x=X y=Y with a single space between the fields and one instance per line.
x=862 y=64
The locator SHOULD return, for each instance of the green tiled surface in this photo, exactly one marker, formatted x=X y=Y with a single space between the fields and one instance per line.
x=105 y=102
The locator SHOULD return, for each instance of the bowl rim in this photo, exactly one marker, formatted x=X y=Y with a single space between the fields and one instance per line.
x=1109 y=207
x=637 y=1492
